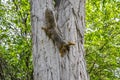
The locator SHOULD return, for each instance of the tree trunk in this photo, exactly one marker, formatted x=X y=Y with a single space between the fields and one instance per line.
x=47 y=62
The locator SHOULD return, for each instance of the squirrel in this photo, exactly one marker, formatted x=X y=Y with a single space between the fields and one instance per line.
x=53 y=33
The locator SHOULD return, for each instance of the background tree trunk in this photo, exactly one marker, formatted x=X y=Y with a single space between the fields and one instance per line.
x=48 y=64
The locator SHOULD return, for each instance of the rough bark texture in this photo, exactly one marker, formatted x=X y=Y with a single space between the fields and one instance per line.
x=48 y=64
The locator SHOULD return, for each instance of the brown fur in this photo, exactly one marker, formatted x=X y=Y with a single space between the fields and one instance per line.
x=53 y=33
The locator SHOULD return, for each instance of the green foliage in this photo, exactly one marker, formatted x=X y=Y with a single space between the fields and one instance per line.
x=15 y=40
x=102 y=39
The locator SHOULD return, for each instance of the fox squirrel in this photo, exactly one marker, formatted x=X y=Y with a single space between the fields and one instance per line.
x=53 y=33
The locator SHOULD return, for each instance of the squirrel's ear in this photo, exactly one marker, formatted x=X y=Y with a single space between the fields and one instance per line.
x=71 y=43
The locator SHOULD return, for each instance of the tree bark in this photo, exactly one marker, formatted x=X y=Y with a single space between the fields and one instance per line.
x=47 y=62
